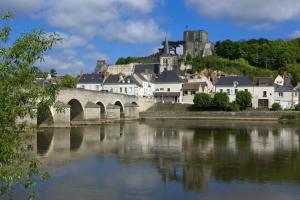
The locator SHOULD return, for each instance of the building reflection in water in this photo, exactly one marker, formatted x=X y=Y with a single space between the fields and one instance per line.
x=193 y=155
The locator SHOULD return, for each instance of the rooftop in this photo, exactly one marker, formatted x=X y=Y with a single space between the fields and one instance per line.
x=91 y=78
x=168 y=77
x=231 y=80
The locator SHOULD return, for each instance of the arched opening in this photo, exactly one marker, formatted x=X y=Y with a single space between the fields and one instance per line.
x=44 y=140
x=76 y=138
x=44 y=115
x=76 y=110
x=118 y=103
x=102 y=109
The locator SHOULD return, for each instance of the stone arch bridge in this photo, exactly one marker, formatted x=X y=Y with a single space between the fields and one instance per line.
x=78 y=105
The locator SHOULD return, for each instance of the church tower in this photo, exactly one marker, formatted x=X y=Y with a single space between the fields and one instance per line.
x=168 y=62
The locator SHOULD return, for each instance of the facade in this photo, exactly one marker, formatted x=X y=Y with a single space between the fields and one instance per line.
x=196 y=43
x=127 y=69
x=189 y=90
x=167 y=87
x=91 y=82
x=233 y=84
x=286 y=96
x=263 y=92
x=134 y=84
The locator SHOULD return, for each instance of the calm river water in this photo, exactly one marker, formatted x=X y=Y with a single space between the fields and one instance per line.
x=171 y=160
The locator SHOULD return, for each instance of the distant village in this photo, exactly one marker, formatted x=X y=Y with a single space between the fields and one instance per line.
x=164 y=80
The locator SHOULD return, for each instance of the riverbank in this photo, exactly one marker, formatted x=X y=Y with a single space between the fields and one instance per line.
x=216 y=115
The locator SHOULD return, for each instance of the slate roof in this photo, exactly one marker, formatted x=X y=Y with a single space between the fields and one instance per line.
x=229 y=80
x=146 y=68
x=284 y=88
x=193 y=86
x=263 y=81
x=115 y=79
x=168 y=77
x=91 y=79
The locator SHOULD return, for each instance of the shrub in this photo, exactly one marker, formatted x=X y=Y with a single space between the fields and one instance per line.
x=243 y=98
x=233 y=107
x=202 y=100
x=276 y=106
x=221 y=100
x=297 y=107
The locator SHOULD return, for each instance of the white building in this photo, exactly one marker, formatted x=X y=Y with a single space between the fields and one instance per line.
x=134 y=84
x=189 y=90
x=263 y=92
x=233 y=84
x=167 y=87
x=91 y=82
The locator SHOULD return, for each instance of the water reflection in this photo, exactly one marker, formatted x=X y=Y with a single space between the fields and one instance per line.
x=192 y=154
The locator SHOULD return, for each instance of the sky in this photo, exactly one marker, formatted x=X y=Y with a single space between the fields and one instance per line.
x=108 y=29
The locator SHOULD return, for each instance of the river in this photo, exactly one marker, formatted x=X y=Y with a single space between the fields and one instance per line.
x=170 y=160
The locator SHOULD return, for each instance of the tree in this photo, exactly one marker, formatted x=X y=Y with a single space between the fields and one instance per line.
x=221 y=100
x=295 y=71
x=128 y=60
x=68 y=81
x=243 y=98
x=276 y=106
x=202 y=100
x=19 y=97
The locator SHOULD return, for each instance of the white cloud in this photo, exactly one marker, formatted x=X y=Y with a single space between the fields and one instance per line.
x=248 y=11
x=21 y=6
x=295 y=34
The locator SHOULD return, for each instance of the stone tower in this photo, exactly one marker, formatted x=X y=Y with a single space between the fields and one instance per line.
x=196 y=43
x=168 y=61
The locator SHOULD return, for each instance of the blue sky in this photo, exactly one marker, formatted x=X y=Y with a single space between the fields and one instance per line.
x=108 y=29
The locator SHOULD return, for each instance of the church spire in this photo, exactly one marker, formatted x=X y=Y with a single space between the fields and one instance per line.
x=166 y=47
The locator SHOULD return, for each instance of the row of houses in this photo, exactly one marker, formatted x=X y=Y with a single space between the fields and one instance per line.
x=168 y=86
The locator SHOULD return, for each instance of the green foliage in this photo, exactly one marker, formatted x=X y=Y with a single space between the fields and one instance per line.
x=202 y=100
x=243 y=98
x=297 y=107
x=18 y=99
x=68 y=81
x=233 y=107
x=239 y=66
x=123 y=61
x=276 y=106
x=221 y=100
x=295 y=71
x=261 y=53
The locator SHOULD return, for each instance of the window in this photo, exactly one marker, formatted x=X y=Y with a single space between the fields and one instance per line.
x=185 y=92
x=125 y=90
x=281 y=94
x=228 y=91
x=120 y=90
x=161 y=89
x=221 y=90
x=169 y=89
x=193 y=92
x=246 y=90
x=236 y=91
x=264 y=93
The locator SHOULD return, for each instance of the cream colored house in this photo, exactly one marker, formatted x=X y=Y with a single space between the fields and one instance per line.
x=286 y=96
x=189 y=90
x=263 y=92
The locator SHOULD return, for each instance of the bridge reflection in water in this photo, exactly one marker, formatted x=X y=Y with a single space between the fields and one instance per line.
x=192 y=154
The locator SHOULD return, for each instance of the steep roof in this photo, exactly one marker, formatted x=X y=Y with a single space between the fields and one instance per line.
x=284 y=88
x=119 y=79
x=193 y=86
x=230 y=80
x=168 y=77
x=91 y=79
x=263 y=81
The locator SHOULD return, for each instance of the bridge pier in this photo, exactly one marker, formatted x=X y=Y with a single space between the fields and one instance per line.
x=92 y=111
x=113 y=112
x=131 y=110
x=61 y=114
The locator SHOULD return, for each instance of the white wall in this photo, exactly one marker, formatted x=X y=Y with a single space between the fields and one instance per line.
x=167 y=87
x=288 y=100
x=95 y=87
x=258 y=93
x=231 y=92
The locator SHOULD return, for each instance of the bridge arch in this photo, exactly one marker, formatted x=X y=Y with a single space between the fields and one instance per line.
x=44 y=115
x=102 y=109
x=76 y=110
x=119 y=103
